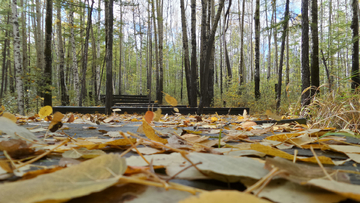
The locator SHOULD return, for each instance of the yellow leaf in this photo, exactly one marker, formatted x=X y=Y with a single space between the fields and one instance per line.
x=176 y=110
x=45 y=111
x=171 y=100
x=134 y=120
x=214 y=119
x=150 y=133
x=276 y=152
x=157 y=114
x=10 y=116
x=282 y=137
x=2 y=109
x=224 y=196
x=79 y=180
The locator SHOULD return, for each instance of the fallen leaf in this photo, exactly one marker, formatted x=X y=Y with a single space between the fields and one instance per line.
x=16 y=148
x=15 y=131
x=283 y=191
x=224 y=196
x=10 y=116
x=78 y=180
x=83 y=153
x=71 y=118
x=345 y=189
x=227 y=168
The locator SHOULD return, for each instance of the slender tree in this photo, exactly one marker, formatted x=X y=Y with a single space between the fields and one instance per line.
x=283 y=37
x=63 y=90
x=74 y=58
x=241 y=64
x=185 y=50
x=355 y=55
x=257 y=50
x=193 y=81
x=48 y=54
x=85 y=55
x=109 y=17
x=305 y=71
x=17 y=58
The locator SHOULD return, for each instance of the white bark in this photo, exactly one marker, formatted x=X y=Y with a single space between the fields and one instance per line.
x=17 y=58
x=74 y=59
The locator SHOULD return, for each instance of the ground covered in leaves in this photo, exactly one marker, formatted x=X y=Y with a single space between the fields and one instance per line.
x=174 y=158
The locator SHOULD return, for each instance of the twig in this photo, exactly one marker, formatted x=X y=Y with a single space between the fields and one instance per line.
x=267 y=182
x=262 y=180
x=295 y=155
x=132 y=144
x=129 y=149
x=175 y=186
x=320 y=164
x=182 y=170
x=10 y=159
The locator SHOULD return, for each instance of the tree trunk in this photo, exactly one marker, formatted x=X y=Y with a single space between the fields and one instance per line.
x=149 y=68
x=305 y=72
x=98 y=62
x=85 y=54
x=283 y=37
x=159 y=89
x=355 y=57
x=48 y=54
x=275 y=38
x=269 y=42
x=109 y=55
x=17 y=59
x=241 y=64
x=315 y=79
x=185 y=51
x=24 y=51
x=257 y=50
x=157 y=78
x=203 y=67
x=74 y=58
x=63 y=90
x=193 y=69
x=4 y=67
x=121 y=47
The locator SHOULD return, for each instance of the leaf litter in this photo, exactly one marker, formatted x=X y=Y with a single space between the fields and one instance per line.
x=148 y=154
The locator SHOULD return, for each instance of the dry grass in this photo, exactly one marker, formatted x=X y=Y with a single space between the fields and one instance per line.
x=334 y=109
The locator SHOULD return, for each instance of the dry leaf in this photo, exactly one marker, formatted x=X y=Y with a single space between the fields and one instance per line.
x=71 y=118
x=224 y=196
x=157 y=114
x=45 y=111
x=10 y=116
x=15 y=131
x=150 y=133
x=272 y=115
x=16 y=148
x=149 y=115
x=79 y=180
x=83 y=153
x=345 y=189
x=171 y=100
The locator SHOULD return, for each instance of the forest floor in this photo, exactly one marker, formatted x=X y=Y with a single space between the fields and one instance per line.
x=174 y=158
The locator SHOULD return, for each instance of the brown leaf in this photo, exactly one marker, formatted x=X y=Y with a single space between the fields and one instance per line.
x=16 y=148
x=149 y=115
x=71 y=118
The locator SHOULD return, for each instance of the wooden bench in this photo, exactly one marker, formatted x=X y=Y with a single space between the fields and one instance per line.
x=129 y=100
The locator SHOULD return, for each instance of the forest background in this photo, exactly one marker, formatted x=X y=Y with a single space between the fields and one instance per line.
x=250 y=53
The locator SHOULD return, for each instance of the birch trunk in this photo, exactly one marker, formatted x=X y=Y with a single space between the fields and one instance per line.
x=74 y=58
x=17 y=58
